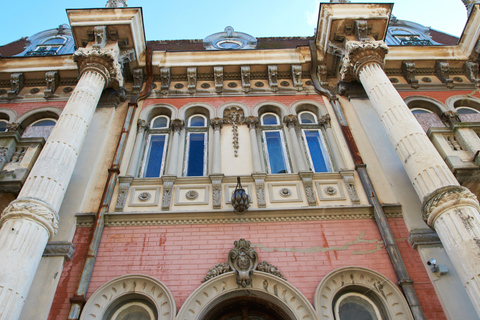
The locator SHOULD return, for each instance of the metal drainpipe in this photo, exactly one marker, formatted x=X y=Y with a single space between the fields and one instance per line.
x=389 y=241
x=78 y=299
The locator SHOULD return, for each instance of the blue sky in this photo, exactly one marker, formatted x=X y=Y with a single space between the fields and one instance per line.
x=189 y=19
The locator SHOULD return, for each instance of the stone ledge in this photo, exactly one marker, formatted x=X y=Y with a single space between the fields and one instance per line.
x=422 y=237
x=59 y=249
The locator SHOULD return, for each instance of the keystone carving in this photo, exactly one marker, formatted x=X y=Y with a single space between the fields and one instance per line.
x=165 y=80
x=245 y=70
x=358 y=55
x=191 y=79
x=442 y=69
x=53 y=79
x=443 y=199
x=471 y=71
x=16 y=83
x=34 y=209
x=218 y=76
x=408 y=70
x=272 y=78
x=137 y=80
x=100 y=34
x=322 y=75
x=297 y=77
x=104 y=62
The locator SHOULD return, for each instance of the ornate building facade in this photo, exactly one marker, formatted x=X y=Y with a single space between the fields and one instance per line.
x=234 y=177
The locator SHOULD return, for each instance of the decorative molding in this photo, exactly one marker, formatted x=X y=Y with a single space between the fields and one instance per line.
x=217 y=190
x=191 y=79
x=252 y=122
x=218 y=78
x=123 y=188
x=245 y=71
x=272 y=78
x=259 y=179
x=358 y=55
x=136 y=285
x=216 y=270
x=177 y=125
x=442 y=69
x=235 y=116
x=138 y=78
x=325 y=192
x=165 y=79
x=191 y=195
x=330 y=190
x=420 y=237
x=349 y=181
x=52 y=78
x=100 y=36
x=307 y=179
x=471 y=72
x=408 y=71
x=322 y=71
x=168 y=182
x=144 y=196
x=285 y=192
x=216 y=124
x=243 y=259
x=185 y=201
x=16 y=85
x=116 y=3
x=142 y=126
x=59 y=249
x=267 y=267
x=297 y=77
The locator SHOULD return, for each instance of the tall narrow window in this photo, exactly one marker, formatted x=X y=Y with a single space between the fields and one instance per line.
x=314 y=143
x=156 y=147
x=274 y=144
x=196 y=147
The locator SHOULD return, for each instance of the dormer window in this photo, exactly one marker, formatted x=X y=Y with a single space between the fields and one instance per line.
x=229 y=40
x=48 y=47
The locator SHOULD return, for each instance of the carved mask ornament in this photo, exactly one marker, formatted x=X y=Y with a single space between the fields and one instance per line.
x=243 y=260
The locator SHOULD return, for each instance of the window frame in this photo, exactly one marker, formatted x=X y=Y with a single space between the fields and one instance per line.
x=474 y=111
x=274 y=128
x=336 y=307
x=162 y=131
x=307 y=112
x=323 y=146
x=203 y=130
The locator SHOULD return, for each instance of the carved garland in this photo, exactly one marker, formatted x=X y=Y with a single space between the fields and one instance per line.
x=234 y=115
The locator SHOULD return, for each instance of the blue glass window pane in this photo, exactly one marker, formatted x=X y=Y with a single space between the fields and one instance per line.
x=317 y=154
x=43 y=123
x=154 y=161
x=160 y=122
x=3 y=126
x=269 y=120
x=275 y=150
x=197 y=121
x=307 y=118
x=55 y=41
x=196 y=154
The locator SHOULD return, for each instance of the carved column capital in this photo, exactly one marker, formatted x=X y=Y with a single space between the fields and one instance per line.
x=34 y=209
x=216 y=123
x=252 y=122
x=104 y=62
x=142 y=125
x=177 y=125
x=444 y=199
x=290 y=120
x=359 y=54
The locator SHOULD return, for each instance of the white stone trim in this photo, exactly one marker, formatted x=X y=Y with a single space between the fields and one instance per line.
x=374 y=283
x=264 y=285
x=148 y=287
x=296 y=107
x=277 y=105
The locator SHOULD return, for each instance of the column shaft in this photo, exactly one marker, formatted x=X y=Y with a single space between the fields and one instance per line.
x=255 y=152
x=217 y=160
x=297 y=153
x=137 y=150
x=173 y=158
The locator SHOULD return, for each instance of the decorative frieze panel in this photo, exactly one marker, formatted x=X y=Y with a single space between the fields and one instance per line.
x=284 y=192
x=52 y=78
x=191 y=195
x=144 y=197
x=330 y=190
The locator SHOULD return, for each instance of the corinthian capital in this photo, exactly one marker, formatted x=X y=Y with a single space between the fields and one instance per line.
x=105 y=62
x=359 y=54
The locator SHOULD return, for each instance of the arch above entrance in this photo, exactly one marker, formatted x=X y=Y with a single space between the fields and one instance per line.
x=264 y=286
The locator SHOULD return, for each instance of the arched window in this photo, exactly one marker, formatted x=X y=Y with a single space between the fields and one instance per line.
x=314 y=142
x=420 y=110
x=3 y=125
x=352 y=306
x=466 y=110
x=156 y=148
x=40 y=128
x=274 y=144
x=132 y=310
x=196 y=146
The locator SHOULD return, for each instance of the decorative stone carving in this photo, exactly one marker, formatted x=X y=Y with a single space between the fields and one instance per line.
x=272 y=78
x=285 y=192
x=290 y=120
x=216 y=124
x=443 y=199
x=18 y=154
x=259 y=179
x=471 y=71
x=137 y=80
x=191 y=195
x=359 y=54
x=265 y=266
x=116 y=3
x=217 y=190
x=252 y=122
x=243 y=260
x=350 y=185
x=127 y=55
x=191 y=79
x=245 y=71
x=16 y=85
x=123 y=187
x=218 y=269
x=325 y=121
x=59 y=249
x=218 y=77
x=408 y=70
x=234 y=115
x=34 y=209
x=165 y=78
x=3 y=155
x=361 y=30
x=322 y=74
x=177 y=125
x=104 y=62
x=100 y=34
x=426 y=236
x=442 y=69
x=297 y=77
x=11 y=127
x=52 y=79
x=307 y=179
x=145 y=196
x=168 y=182
x=330 y=190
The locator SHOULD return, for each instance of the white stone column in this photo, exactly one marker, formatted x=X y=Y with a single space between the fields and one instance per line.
x=449 y=208
x=32 y=219
x=252 y=123
x=469 y=141
x=290 y=121
x=132 y=170
x=217 y=160
x=177 y=126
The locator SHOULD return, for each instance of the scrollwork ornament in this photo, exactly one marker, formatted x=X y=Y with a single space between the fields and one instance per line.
x=265 y=266
x=444 y=199
x=218 y=269
x=243 y=259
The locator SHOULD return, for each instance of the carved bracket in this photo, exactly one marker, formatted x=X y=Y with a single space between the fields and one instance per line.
x=16 y=85
x=168 y=182
x=361 y=30
x=272 y=78
x=245 y=70
x=408 y=70
x=191 y=79
x=259 y=179
x=442 y=69
x=471 y=71
x=290 y=120
x=217 y=190
x=53 y=79
x=307 y=179
x=322 y=74
x=218 y=77
x=59 y=249
x=100 y=35
x=124 y=186
x=138 y=78
x=165 y=80
x=297 y=77
x=349 y=181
